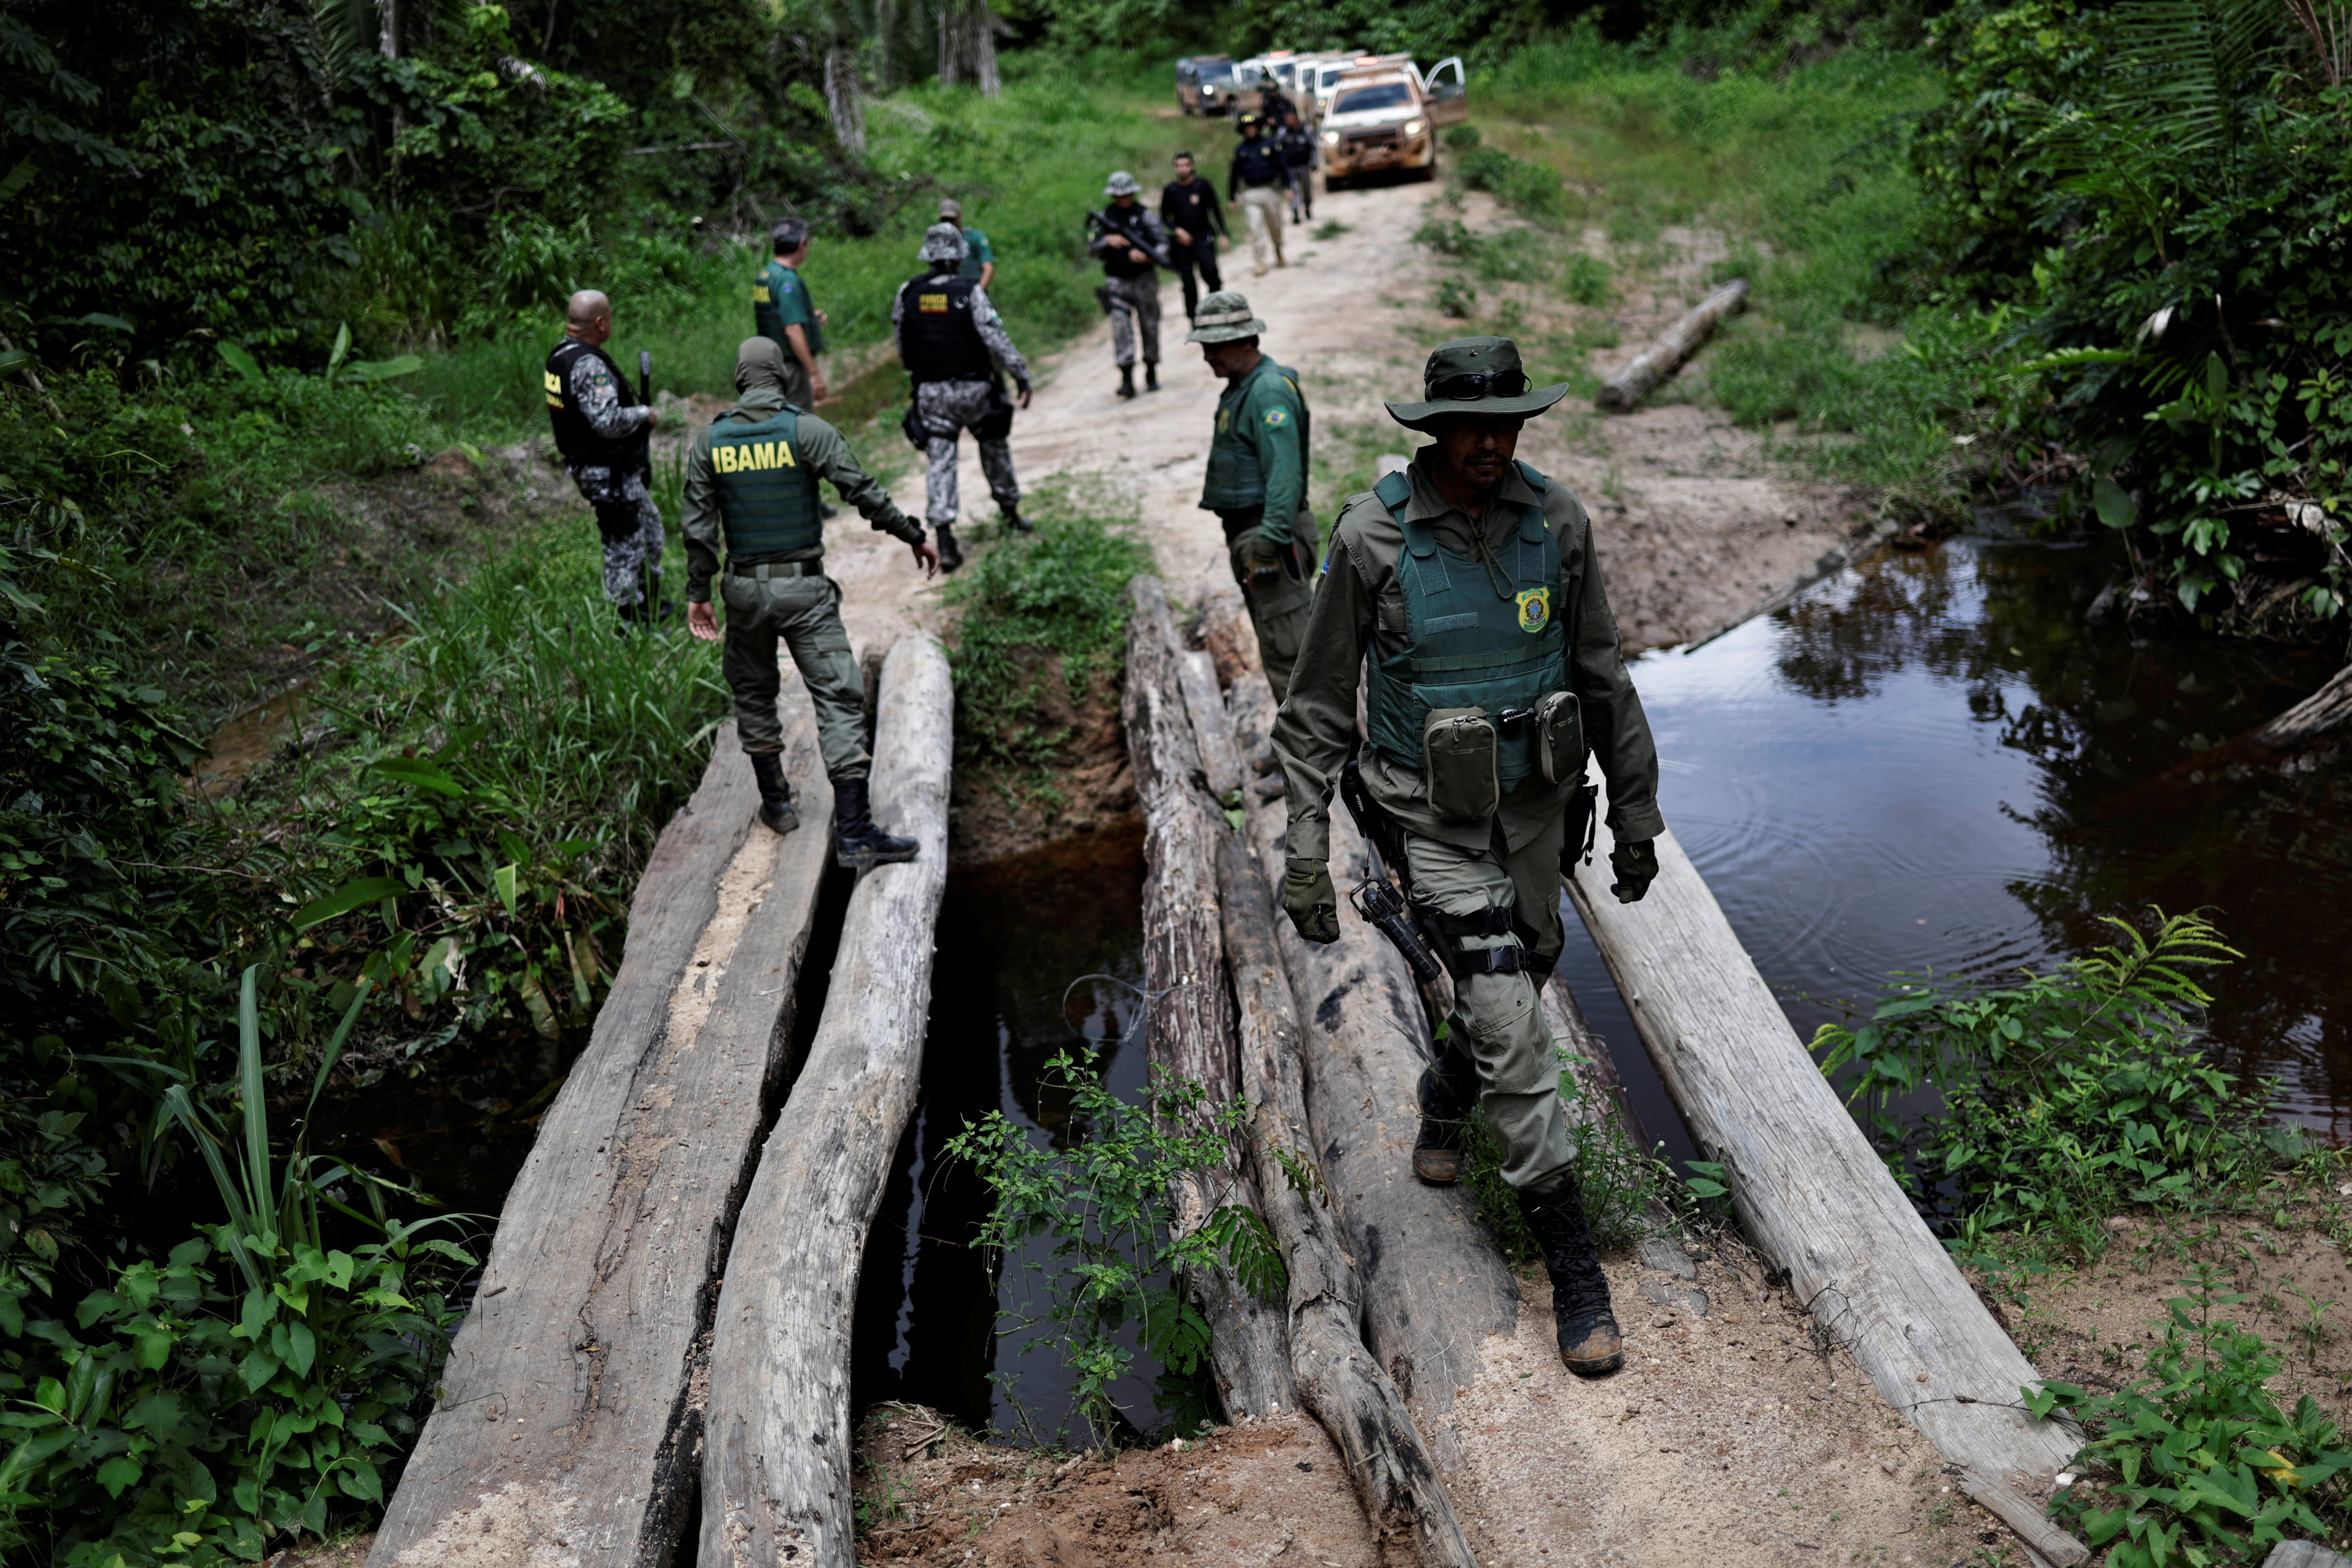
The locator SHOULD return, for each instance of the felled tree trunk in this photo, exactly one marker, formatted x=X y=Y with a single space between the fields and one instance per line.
x=776 y=1461
x=1654 y=364
x=1189 y=1024
x=1342 y=1382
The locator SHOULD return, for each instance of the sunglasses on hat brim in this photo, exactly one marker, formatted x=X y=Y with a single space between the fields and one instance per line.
x=1471 y=387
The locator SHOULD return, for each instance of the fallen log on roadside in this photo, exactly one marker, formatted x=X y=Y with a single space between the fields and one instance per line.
x=1189 y=1016
x=1812 y=1193
x=1435 y=1286
x=569 y=1428
x=776 y=1461
x=1654 y=364
x=1342 y=1382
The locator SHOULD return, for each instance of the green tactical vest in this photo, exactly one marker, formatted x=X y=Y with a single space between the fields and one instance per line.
x=1465 y=647
x=767 y=496
x=1236 y=478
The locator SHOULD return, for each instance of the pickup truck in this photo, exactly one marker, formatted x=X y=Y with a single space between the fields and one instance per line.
x=1386 y=116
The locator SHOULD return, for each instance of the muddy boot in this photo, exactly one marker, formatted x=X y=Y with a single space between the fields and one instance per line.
x=950 y=552
x=859 y=845
x=1009 y=516
x=1447 y=1091
x=1589 y=1342
x=1126 y=381
x=1150 y=375
x=776 y=808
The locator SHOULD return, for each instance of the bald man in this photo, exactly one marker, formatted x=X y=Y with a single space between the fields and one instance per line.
x=602 y=429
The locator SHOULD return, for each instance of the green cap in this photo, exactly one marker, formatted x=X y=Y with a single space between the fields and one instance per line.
x=1468 y=375
x=1223 y=318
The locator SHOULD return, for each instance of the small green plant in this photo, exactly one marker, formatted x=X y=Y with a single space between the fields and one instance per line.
x=1101 y=1201
x=1448 y=237
x=1330 y=228
x=2195 y=1462
x=1623 y=1188
x=1587 y=280
x=1457 y=298
x=2066 y=1096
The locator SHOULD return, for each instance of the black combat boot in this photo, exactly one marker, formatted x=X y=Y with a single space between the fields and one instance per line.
x=950 y=552
x=1151 y=376
x=859 y=845
x=1126 y=381
x=1010 y=515
x=776 y=807
x=1447 y=1092
x=1589 y=1342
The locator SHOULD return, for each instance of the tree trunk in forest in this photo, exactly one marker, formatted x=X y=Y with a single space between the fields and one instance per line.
x=967 y=45
x=1343 y=1384
x=570 y=1423
x=1189 y=1018
x=1812 y=1193
x=776 y=1458
x=841 y=100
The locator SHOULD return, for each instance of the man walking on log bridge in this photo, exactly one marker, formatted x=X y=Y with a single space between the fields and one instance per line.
x=1494 y=666
x=750 y=485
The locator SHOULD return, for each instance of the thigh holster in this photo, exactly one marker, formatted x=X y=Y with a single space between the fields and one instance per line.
x=1446 y=933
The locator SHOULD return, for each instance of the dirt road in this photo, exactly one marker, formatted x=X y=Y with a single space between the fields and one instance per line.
x=1693 y=526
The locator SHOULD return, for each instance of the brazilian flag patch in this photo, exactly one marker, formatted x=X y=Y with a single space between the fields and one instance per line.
x=1277 y=416
x=1535 y=610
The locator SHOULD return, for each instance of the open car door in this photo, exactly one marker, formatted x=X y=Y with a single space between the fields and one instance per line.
x=1448 y=93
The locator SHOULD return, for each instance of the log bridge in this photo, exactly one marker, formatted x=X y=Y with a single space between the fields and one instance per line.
x=658 y=1346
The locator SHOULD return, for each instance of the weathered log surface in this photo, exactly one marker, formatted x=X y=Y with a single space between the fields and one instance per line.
x=1435 y=1286
x=1189 y=1017
x=1654 y=364
x=570 y=1432
x=2326 y=711
x=1812 y=1194
x=776 y=1466
x=2024 y=1516
x=1221 y=764
x=1342 y=1382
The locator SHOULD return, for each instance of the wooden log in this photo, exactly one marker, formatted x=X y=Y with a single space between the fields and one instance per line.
x=1435 y=1286
x=1221 y=762
x=2025 y=1516
x=2328 y=709
x=1812 y=1194
x=775 y=1470
x=571 y=1428
x=1342 y=1382
x=1189 y=1019
x=1654 y=364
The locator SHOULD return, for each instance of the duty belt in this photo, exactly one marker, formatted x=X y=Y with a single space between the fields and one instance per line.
x=767 y=569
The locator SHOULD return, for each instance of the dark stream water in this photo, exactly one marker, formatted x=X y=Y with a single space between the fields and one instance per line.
x=1928 y=762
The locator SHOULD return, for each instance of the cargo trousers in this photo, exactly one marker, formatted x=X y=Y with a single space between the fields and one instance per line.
x=805 y=614
x=1278 y=604
x=1498 y=1022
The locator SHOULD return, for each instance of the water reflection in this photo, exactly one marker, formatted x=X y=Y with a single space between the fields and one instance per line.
x=1935 y=762
x=1034 y=954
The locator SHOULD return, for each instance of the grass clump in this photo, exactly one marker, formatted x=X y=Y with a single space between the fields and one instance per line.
x=2065 y=1097
x=1626 y=1189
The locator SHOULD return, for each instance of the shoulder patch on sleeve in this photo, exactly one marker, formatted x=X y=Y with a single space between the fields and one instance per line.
x=1277 y=416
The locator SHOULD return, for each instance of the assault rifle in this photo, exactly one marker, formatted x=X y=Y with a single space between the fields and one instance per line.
x=1376 y=898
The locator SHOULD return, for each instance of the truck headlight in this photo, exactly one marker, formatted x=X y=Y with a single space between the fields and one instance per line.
x=1330 y=138
x=1413 y=127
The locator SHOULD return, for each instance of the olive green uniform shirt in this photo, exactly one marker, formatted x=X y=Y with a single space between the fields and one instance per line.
x=780 y=299
x=827 y=457
x=1257 y=456
x=1359 y=604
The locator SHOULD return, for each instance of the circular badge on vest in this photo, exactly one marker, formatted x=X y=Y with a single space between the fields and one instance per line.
x=1534 y=609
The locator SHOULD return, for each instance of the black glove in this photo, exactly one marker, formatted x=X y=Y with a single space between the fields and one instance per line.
x=1310 y=899
x=1636 y=865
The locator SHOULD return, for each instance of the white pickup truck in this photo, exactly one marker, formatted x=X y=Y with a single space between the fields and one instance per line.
x=1383 y=113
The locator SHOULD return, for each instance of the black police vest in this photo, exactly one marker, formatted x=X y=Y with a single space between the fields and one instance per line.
x=937 y=339
x=1128 y=221
x=767 y=496
x=1259 y=162
x=574 y=437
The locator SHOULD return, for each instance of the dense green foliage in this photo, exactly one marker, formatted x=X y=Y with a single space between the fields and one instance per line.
x=1113 y=1254
x=2065 y=1097
x=2194 y=1462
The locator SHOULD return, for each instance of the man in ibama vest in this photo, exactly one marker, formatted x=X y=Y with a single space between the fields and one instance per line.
x=602 y=432
x=1256 y=482
x=750 y=489
x=955 y=347
x=1470 y=581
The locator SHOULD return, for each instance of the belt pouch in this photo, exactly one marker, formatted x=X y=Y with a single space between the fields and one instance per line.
x=1559 y=736
x=1457 y=758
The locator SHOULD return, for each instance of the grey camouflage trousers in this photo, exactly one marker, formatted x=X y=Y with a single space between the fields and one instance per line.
x=631 y=527
x=1134 y=307
x=947 y=409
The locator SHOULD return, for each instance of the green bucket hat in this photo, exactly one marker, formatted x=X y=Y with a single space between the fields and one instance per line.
x=1223 y=318
x=1473 y=375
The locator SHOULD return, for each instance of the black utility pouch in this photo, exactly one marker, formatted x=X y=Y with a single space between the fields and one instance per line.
x=1560 y=737
x=1457 y=758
